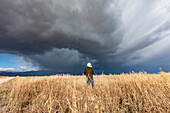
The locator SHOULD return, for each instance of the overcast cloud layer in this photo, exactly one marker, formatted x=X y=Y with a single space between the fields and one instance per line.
x=63 y=35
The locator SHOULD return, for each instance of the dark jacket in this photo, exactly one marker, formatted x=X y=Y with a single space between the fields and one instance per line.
x=88 y=71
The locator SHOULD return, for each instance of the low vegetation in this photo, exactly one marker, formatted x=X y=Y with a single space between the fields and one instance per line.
x=137 y=92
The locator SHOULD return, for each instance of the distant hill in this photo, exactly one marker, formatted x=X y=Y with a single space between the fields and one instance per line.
x=28 y=73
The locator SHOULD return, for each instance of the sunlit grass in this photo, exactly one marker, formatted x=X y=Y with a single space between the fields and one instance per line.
x=135 y=92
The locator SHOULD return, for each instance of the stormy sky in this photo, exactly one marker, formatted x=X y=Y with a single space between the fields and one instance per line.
x=63 y=35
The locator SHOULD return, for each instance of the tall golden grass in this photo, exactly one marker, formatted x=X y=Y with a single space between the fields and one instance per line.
x=137 y=92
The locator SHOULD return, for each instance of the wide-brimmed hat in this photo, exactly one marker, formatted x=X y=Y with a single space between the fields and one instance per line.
x=89 y=64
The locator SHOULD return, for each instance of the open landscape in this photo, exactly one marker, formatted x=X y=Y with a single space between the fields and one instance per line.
x=84 y=56
x=134 y=92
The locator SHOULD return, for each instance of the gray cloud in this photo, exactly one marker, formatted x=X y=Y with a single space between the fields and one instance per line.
x=64 y=35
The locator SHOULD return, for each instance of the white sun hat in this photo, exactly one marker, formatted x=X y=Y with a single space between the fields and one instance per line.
x=89 y=64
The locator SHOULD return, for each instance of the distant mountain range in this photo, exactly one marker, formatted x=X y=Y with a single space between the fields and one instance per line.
x=28 y=73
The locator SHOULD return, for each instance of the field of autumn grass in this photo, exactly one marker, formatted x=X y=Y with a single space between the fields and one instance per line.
x=134 y=92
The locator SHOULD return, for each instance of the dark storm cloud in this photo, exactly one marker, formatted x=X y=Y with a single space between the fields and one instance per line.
x=64 y=35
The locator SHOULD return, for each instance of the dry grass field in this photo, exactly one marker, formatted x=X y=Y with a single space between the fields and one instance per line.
x=124 y=93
